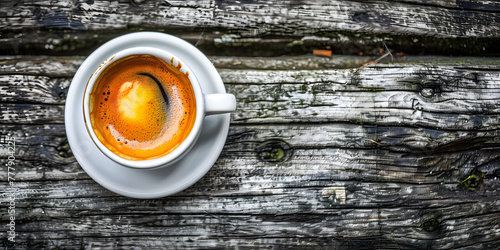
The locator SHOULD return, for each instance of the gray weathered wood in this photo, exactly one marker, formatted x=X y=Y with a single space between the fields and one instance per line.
x=322 y=152
x=441 y=96
x=257 y=28
x=438 y=18
x=344 y=183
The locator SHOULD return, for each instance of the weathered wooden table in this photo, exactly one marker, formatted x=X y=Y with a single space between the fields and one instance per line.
x=322 y=153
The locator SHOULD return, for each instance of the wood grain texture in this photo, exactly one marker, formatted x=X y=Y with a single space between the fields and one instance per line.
x=434 y=96
x=322 y=152
x=371 y=169
x=438 y=18
x=257 y=28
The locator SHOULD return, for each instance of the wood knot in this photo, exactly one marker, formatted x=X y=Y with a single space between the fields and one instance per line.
x=473 y=181
x=64 y=150
x=335 y=195
x=429 y=89
x=274 y=150
x=60 y=90
x=427 y=92
x=431 y=225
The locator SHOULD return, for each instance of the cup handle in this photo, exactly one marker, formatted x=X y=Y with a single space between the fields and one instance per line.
x=219 y=103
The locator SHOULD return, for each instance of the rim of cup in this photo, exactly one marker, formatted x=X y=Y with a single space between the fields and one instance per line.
x=186 y=144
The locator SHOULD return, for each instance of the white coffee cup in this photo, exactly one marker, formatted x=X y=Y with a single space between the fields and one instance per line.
x=206 y=104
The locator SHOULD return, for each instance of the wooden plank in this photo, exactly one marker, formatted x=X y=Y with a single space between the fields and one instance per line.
x=439 y=97
x=267 y=194
x=459 y=97
x=311 y=154
x=263 y=17
x=257 y=28
x=108 y=217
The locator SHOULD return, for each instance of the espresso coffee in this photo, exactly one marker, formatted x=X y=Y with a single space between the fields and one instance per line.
x=142 y=107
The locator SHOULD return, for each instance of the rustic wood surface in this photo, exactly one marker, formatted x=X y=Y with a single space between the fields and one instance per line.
x=322 y=152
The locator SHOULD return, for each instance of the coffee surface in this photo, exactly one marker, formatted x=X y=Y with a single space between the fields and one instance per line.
x=142 y=107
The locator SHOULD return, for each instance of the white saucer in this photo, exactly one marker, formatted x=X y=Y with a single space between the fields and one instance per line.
x=154 y=183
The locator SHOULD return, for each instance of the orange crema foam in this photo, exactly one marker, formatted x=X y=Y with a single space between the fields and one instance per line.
x=142 y=107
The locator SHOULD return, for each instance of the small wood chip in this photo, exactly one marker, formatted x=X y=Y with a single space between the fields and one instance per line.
x=322 y=52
